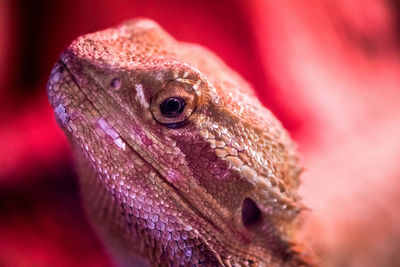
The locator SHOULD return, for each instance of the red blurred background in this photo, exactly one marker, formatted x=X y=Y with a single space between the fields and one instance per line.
x=329 y=70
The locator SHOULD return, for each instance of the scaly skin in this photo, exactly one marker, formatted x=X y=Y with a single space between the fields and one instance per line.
x=213 y=186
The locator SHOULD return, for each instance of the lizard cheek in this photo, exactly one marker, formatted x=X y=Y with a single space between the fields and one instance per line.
x=251 y=214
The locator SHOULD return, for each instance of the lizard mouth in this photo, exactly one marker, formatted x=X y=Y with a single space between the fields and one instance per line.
x=57 y=76
x=60 y=82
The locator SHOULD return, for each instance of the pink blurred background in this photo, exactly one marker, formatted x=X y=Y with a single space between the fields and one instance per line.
x=329 y=70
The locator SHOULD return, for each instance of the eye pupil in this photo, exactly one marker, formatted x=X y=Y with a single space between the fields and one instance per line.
x=172 y=107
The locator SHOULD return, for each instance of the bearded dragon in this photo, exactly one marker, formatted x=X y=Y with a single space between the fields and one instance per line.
x=179 y=163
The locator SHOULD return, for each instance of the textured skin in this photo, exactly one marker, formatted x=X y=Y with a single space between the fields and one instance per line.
x=170 y=191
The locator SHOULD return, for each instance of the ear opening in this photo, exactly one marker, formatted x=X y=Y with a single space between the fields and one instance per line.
x=251 y=214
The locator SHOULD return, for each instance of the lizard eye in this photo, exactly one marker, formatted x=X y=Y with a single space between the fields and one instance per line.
x=173 y=105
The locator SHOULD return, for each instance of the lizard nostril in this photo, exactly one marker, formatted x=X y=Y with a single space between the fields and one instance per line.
x=250 y=212
x=115 y=83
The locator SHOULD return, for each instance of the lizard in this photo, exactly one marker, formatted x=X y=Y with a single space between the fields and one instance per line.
x=179 y=163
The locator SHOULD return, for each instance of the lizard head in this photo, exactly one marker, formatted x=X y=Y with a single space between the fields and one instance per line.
x=181 y=142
